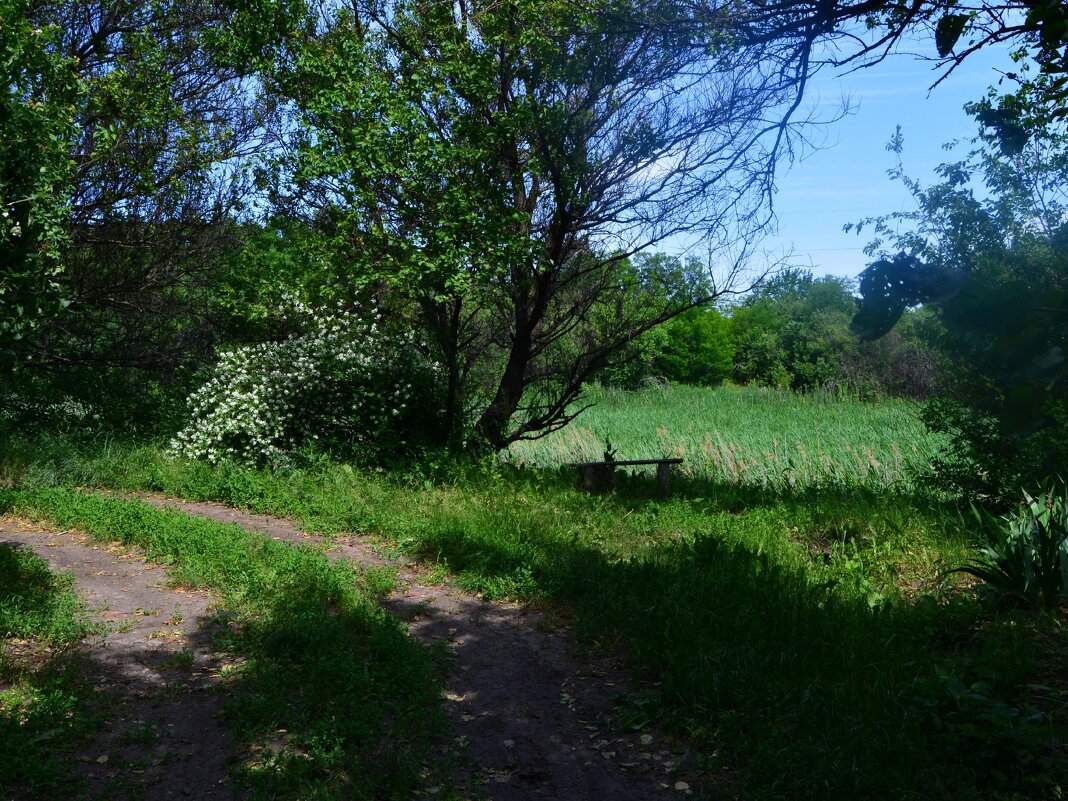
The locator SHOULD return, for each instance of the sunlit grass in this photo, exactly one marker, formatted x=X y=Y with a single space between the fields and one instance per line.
x=321 y=660
x=42 y=679
x=745 y=435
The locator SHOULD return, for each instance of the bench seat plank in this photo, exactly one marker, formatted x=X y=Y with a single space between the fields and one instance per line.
x=624 y=462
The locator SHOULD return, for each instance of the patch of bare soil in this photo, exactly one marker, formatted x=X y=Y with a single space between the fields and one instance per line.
x=533 y=719
x=155 y=673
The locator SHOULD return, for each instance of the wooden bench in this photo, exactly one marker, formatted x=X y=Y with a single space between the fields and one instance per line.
x=601 y=476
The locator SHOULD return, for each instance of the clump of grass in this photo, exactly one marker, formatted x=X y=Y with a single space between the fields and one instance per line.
x=1024 y=554
x=36 y=603
x=359 y=699
x=799 y=672
x=42 y=703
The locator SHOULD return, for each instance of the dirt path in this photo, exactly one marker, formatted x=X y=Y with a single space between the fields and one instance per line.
x=155 y=671
x=532 y=720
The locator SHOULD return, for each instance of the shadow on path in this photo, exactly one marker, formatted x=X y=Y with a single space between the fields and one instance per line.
x=155 y=673
x=532 y=720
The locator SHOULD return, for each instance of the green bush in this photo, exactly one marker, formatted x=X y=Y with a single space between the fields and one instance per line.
x=794 y=332
x=342 y=381
x=698 y=348
x=1025 y=554
x=991 y=270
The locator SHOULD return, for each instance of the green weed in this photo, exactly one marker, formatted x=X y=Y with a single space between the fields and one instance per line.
x=182 y=661
x=761 y=436
x=142 y=734
x=1025 y=554
x=37 y=603
x=798 y=630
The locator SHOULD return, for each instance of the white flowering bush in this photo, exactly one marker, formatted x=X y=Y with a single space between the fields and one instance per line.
x=342 y=382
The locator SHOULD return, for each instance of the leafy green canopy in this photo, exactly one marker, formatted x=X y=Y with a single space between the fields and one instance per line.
x=38 y=95
x=162 y=134
x=126 y=131
x=795 y=332
x=992 y=261
x=496 y=164
x=698 y=348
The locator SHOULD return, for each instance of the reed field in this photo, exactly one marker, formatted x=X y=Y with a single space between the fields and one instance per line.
x=745 y=435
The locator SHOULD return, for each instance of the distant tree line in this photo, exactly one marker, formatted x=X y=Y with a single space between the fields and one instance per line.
x=793 y=332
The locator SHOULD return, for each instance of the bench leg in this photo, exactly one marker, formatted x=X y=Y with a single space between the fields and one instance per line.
x=598 y=478
x=663 y=479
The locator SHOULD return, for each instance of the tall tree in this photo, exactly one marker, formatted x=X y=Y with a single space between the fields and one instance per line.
x=993 y=266
x=497 y=162
x=38 y=99
x=163 y=130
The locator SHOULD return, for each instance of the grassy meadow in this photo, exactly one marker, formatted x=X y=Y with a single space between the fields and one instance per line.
x=747 y=435
x=795 y=621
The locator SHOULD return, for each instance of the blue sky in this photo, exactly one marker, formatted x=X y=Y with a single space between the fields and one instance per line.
x=847 y=179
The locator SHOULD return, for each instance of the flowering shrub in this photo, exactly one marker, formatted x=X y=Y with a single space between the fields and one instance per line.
x=342 y=381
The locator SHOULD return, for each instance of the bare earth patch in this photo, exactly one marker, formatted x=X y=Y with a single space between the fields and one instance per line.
x=156 y=673
x=531 y=719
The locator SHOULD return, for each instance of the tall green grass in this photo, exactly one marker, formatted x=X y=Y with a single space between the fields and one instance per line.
x=789 y=603
x=805 y=638
x=759 y=436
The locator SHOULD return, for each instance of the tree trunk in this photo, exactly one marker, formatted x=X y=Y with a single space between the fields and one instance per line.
x=451 y=351
x=493 y=424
